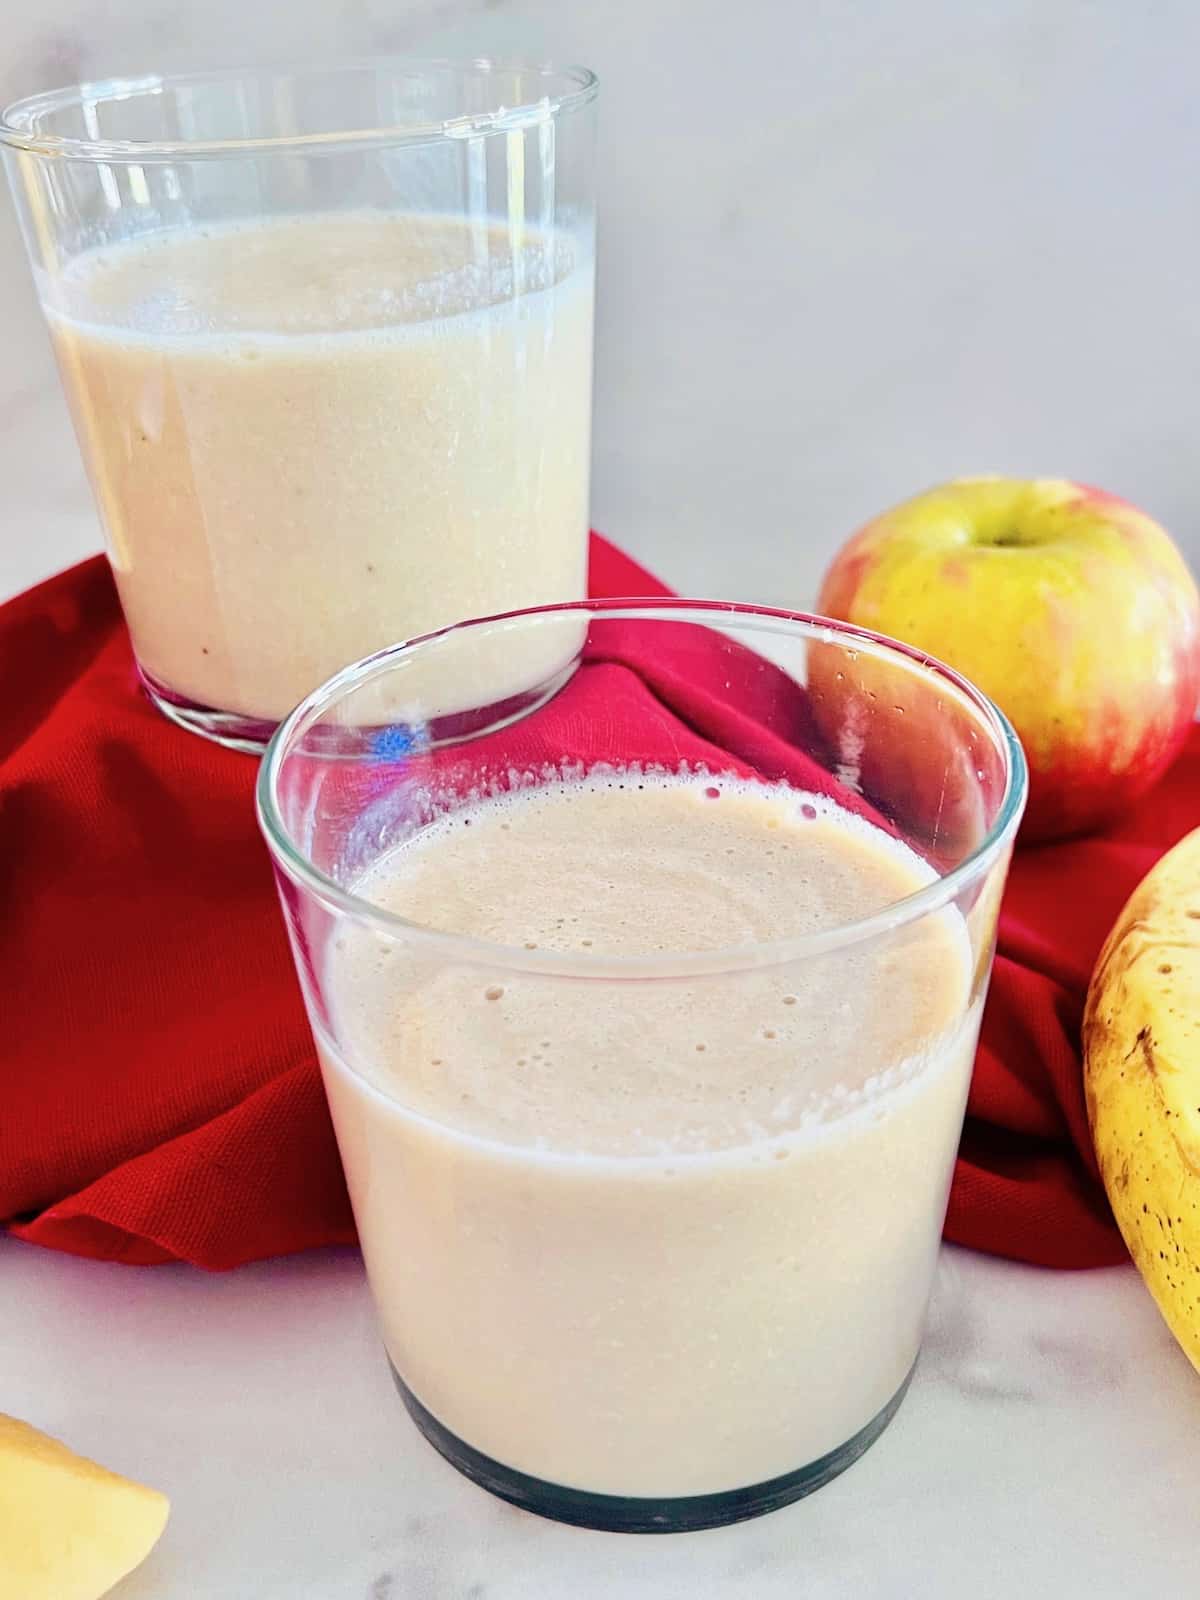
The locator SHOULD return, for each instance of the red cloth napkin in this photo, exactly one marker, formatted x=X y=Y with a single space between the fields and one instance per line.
x=160 y=1094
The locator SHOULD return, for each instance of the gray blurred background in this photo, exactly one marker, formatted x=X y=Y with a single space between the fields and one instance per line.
x=846 y=250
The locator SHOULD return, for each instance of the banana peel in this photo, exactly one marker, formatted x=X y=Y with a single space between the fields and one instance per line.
x=1141 y=1046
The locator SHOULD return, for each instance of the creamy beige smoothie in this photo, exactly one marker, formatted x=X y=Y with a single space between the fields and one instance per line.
x=650 y=1238
x=313 y=438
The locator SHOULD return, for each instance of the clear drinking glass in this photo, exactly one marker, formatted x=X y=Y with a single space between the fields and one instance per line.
x=651 y=1223
x=327 y=338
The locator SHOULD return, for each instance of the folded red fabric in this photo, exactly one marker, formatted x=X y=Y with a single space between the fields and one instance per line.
x=161 y=1099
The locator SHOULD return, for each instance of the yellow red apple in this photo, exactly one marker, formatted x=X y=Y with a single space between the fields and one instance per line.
x=1072 y=609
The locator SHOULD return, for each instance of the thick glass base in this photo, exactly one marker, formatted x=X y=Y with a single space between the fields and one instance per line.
x=229 y=728
x=617 y=1514
x=237 y=732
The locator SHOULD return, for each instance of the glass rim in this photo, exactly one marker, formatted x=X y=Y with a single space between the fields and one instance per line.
x=910 y=908
x=19 y=120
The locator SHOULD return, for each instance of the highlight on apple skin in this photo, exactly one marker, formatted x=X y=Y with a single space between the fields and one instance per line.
x=1071 y=608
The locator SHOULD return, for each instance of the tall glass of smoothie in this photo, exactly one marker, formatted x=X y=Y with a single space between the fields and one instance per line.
x=646 y=998
x=327 y=340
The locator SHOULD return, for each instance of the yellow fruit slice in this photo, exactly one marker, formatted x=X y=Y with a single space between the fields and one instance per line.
x=1141 y=1036
x=69 y=1529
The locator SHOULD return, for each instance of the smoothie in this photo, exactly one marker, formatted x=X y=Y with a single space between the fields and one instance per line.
x=649 y=1237
x=653 y=1237
x=313 y=438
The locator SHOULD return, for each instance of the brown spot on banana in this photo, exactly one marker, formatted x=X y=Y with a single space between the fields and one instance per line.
x=1141 y=1039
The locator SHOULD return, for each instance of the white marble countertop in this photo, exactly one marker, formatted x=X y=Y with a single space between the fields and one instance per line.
x=1047 y=1448
x=968 y=252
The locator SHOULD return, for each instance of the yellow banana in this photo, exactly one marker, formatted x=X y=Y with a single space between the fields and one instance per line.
x=69 y=1529
x=1141 y=1047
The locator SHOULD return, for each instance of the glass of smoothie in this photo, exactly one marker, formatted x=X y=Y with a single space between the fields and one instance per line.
x=646 y=994
x=326 y=335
